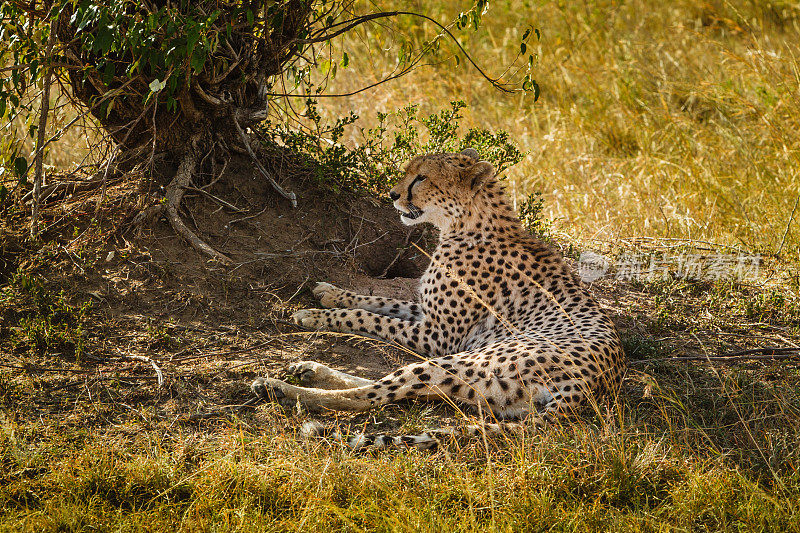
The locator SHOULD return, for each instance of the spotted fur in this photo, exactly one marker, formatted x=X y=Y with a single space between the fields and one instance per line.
x=502 y=323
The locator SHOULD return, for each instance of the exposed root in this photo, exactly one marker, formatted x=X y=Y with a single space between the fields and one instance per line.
x=175 y=191
x=174 y=195
x=147 y=216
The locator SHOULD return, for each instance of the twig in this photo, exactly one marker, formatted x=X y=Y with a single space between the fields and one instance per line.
x=292 y=197
x=691 y=242
x=299 y=288
x=744 y=355
x=224 y=411
x=215 y=198
x=43 y=113
x=146 y=359
x=321 y=36
x=235 y=220
x=219 y=177
x=65 y=187
x=93 y=381
x=788 y=224
x=402 y=250
x=230 y=352
x=32 y=368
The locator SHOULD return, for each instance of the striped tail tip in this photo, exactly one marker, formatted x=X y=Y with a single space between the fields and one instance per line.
x=364 y=442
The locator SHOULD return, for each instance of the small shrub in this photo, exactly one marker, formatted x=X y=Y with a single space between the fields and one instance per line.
x=530 y=213
x=376 y=162
x=41 y=320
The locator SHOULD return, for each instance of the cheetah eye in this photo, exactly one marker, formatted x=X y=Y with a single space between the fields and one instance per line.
x=420 y=178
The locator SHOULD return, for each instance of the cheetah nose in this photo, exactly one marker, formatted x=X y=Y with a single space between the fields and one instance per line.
x=393 y=195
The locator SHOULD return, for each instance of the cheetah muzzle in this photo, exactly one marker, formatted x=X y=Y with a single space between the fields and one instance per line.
x=502 y=323
x=413 y=212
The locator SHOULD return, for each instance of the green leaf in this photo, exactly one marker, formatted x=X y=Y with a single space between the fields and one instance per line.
x=104 y=37
x=192 y=36
x=198 y=60
x=133 y=68
x=156 y=85
x=522 y=48
x=108 y=73
x=345 y=60
x=324 y=67
x=529 y=84
x=20 y=166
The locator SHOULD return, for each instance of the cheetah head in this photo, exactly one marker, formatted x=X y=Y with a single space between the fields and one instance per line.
x=439 y=188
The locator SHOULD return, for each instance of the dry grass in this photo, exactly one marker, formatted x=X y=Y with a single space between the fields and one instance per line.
x=75 y=143
x=668 y=119
x=576 y=480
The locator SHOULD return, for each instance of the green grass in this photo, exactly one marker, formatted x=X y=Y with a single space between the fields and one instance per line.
x=577 y=479
x=40 y=319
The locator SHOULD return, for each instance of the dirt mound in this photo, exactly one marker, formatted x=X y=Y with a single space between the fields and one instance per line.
x=334 y=236
x=211 y=328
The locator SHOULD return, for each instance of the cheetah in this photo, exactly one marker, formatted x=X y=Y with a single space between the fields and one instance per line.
x=502 y=324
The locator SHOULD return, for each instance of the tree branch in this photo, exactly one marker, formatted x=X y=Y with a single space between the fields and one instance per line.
x=349 y=25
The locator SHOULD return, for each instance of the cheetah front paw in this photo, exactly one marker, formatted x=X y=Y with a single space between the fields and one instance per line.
x=328 y=295
x=309 y=318
x=271 y=390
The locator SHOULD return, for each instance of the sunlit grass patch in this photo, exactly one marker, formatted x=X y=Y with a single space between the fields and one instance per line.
x=573 y=478
x=668 y=119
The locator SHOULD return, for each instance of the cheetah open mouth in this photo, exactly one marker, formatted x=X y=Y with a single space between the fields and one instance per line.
x=413 y=212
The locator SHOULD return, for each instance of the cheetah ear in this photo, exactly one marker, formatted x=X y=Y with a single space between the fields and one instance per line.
x=479 y=175
x=470 y=152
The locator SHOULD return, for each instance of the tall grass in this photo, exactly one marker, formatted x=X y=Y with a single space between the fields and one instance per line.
x=657 y=119
x=576 y=479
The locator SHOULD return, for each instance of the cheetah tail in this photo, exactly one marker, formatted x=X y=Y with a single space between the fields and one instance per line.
x=428 y=440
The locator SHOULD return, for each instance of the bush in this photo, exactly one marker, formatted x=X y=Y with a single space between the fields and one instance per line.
x=375 y=163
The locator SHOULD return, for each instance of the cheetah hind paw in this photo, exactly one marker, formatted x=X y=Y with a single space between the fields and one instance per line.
x=328 y=295
x=308 y=372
